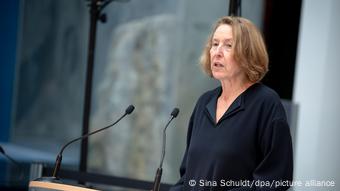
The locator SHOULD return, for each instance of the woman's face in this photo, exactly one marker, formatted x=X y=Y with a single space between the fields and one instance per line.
x=223 y=65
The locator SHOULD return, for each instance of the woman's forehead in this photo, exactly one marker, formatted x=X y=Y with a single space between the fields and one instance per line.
x=223 y=31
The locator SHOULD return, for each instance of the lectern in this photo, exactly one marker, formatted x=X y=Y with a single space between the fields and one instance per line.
x=49 y=186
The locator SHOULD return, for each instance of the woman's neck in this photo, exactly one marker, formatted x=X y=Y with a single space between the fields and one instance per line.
x=233 y=88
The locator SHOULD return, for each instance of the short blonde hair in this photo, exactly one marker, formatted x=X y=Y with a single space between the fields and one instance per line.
x=248 y=48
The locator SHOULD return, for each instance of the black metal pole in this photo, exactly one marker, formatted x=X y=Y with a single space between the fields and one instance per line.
x=94 y=12
x=235 y=7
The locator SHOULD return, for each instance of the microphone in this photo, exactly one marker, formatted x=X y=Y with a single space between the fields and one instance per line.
x=2 y=151
x=158 y=176
x=128 y=111
x=18 y=166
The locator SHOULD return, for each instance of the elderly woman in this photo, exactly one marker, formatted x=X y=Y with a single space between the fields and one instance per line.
x=238 y=136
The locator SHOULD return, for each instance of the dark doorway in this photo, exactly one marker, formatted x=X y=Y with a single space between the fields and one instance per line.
x=281 y=30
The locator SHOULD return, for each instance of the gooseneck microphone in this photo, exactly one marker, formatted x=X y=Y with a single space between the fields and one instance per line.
x=2 y=151
x=128 y=111
x=16 y=164
x=157 y=181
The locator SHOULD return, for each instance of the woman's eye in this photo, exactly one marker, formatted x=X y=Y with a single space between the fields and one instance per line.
x=215 y=44
x=228 y=45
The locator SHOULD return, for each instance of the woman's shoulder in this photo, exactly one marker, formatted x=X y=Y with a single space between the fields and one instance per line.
x=267 y=99
x=264 y=93
x=208 y=95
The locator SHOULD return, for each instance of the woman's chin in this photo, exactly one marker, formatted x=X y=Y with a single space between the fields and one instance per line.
x=218 y=75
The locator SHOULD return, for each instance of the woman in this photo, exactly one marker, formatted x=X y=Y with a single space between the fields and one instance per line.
x=238 y=136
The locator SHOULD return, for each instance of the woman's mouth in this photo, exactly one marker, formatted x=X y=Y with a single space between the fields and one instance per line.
x=217 y=64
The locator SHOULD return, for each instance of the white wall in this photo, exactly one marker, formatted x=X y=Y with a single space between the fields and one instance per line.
x=317 y=92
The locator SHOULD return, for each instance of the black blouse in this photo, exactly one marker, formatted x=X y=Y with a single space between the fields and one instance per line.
x=249 y=148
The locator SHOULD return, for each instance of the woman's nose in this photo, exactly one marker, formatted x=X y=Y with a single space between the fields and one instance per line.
x=219 y=49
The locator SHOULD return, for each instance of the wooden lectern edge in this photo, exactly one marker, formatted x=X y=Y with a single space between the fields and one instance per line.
x=57 y=186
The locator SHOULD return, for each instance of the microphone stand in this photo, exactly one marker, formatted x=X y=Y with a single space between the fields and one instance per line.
x=59 y=158
x=159 y=171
